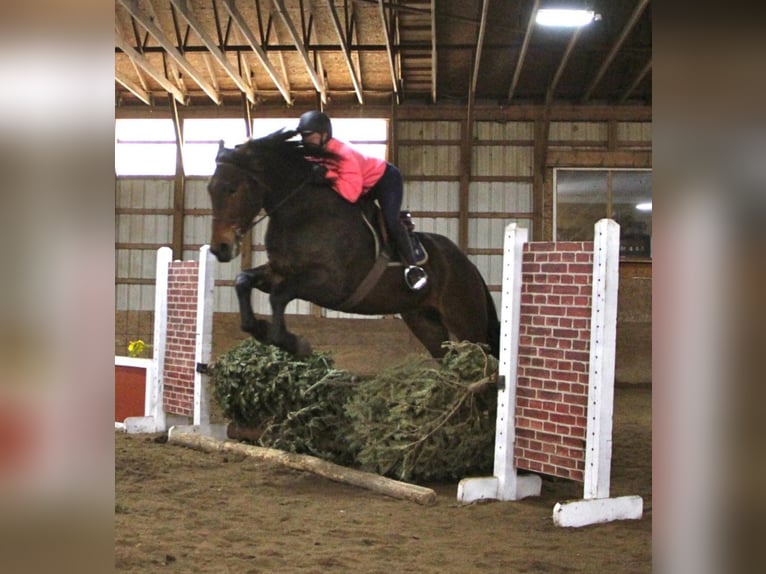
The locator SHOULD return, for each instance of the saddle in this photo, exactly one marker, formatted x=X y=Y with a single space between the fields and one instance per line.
x=373 y=218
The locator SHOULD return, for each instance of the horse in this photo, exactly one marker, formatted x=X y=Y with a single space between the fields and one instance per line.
x=321 y=249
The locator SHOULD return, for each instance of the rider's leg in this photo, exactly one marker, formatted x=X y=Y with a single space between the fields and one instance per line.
x=389 y=190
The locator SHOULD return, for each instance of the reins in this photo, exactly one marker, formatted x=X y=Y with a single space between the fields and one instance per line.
x=284 y=200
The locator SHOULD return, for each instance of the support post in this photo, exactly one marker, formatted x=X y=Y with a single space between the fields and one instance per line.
x=596 y=505
x=204 y=334
x=506 y=484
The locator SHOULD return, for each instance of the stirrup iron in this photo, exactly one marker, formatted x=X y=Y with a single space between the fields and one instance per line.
x=415 y=277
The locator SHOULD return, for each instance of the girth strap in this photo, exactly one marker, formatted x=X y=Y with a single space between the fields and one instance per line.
x=367 y=283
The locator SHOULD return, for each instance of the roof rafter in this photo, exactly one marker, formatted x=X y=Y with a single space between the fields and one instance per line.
x=133 y=88
x=433 y=51
x=523 y=51
x=346 y=50
x=560 y=70
x=148 y=23
x=260 y=54
x=389 y=50
x=477 y=59
x=637 y=80
x=183 y=7
x=637 y=11
x=298 y=41
x=146 y=66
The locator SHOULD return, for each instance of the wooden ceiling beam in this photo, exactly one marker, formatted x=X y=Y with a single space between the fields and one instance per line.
x=346 y=51
x=560 y=70
x=183 y=7
x=523 y=50
x=477 y=59
x=155 y=31
x=298 y=41
x=146 y=66
x=389 y=51
x=259 y=53
x=433 y=52
x=637 y=80
x=637 y=11
x=133 y=88
x=353 y=37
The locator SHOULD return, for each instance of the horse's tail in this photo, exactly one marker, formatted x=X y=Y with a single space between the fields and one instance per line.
x=493 y=323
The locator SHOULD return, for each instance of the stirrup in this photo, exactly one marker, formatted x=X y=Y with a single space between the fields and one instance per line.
x=415 y=277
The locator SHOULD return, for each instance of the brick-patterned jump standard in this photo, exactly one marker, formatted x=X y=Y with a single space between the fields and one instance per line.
x=183 y=316
x=553 y=358
x=556 y=375
x=179 y=367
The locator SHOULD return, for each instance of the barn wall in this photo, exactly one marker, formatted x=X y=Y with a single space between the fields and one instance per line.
x=466 y=184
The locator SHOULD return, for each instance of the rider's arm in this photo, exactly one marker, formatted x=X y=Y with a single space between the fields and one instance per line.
x=346 y=173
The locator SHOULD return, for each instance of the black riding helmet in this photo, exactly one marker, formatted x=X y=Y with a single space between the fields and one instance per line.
x=315 y=121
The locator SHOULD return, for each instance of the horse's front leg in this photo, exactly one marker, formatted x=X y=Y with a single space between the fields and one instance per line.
x=278 y=334
x=260 y=278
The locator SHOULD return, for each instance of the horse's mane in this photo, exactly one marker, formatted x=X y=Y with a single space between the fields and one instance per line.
x=279 y=143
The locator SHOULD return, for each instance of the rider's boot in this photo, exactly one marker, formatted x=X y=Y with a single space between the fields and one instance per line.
x=415 y=276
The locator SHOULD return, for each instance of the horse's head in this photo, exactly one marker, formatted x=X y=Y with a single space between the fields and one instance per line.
x=251 y=176
x=236 y=201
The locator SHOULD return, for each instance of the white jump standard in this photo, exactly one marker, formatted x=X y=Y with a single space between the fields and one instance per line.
x=564 y=366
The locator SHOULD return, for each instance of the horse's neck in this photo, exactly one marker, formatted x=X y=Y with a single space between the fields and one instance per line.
x=284 y=189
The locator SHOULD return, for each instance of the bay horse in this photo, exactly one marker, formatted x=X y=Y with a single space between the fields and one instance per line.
x=320 y=250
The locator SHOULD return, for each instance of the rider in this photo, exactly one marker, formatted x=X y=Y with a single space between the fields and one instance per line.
x=354 y=175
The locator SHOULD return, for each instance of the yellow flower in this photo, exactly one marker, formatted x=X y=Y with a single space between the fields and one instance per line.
x=136 y=348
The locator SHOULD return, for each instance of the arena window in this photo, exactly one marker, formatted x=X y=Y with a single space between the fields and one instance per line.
x=148 y=146
x=144 y=147
x=583 y=196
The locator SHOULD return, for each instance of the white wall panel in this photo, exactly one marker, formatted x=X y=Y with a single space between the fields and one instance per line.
x=225 y=299
x=500 y=196
x=628 y=132
x=197 y=229
x=429 y=160
x=428 y=130
x=195 y=194
x=504 y=130
x=501 y=161
x=431 y=196
x=142 y=193
x=578 y=131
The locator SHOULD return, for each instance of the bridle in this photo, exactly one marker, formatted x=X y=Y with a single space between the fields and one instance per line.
x=238 y=230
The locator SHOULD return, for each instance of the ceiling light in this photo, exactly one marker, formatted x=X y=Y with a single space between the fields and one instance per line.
x=644 y=206
x=565 y=17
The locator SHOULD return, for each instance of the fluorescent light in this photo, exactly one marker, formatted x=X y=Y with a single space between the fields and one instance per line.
x=564 y=17
x=644 y=206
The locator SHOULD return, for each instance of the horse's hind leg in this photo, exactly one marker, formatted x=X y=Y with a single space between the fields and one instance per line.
x=426 y=325
x=258 y=278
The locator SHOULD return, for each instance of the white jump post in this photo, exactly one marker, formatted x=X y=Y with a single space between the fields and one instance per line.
x=176 y=393
x=506 y=483
x=564 y=414
x=596 y=506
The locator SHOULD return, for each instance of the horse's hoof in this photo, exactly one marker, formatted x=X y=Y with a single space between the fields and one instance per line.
x=303 y=348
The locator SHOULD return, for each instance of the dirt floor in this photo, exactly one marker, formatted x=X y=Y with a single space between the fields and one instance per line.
x=180 y=510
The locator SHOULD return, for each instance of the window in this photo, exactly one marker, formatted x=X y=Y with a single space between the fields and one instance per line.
x=201 y=139
x=148 y=146
x=145 y=147
x=585 y=196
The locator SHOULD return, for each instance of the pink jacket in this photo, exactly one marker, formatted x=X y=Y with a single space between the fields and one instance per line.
x=354 y=173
